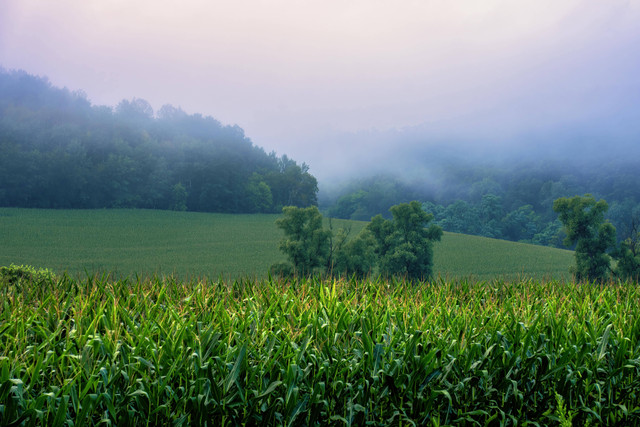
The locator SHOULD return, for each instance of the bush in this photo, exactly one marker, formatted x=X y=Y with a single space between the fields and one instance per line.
x=15 y=274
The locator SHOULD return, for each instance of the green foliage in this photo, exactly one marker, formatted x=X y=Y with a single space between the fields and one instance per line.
x=371 y=196
x=583 y=220
x=311 y=352
x=625 y=215
x=564 y=417
x=179 y=197
x=520 y=224
x=26 y=274
x=404 y=245
x=305 y=242
x=282 y=270
x=292 y=184
x=492 y=215
x=59 y=151
x=490 y=218
x=260 y=196
x=506 y=201
x=355 y=257
x=551 y=235
x=628 y=256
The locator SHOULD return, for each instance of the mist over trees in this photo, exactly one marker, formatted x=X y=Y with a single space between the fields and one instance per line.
x=60 y=151
x=505 y=198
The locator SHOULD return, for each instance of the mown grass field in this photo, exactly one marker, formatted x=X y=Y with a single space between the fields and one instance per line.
x=446 y=352
x=188 y=244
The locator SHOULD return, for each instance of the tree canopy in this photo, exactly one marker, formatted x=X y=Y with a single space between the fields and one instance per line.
x=593 y=237
x=628 y=256
x=305 y=242
x=511 y=200
x=60 y=151
x=402 y=246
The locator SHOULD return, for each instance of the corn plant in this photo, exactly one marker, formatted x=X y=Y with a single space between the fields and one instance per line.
x=308 y=352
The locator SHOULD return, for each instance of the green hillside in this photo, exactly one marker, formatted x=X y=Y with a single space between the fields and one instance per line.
x=128 y=242
x=483 y=258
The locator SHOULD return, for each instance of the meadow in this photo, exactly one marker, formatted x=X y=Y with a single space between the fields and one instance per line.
x=190 y=245
x=311 y=352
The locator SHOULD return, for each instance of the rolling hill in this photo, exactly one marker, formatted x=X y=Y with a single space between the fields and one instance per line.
x=188 y=244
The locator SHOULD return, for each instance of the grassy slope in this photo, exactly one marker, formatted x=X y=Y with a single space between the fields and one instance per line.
x=188 y=243
x=484 y=258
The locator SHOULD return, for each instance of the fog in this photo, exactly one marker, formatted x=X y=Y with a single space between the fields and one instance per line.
x=357 y=87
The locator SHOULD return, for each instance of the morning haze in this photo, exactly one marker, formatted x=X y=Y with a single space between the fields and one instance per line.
x=311 y=212
x=351 y=86
x=443 y=102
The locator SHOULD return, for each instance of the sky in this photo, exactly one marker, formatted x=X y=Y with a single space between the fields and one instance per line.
x=344 y=84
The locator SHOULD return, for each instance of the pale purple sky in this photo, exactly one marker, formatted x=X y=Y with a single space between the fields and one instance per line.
x=299 y=74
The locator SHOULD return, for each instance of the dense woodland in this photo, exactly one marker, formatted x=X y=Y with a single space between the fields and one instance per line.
x=505 y=200
x=57 y=150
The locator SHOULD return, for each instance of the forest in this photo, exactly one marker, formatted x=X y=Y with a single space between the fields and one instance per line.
x=60 y=151
x=510 y=200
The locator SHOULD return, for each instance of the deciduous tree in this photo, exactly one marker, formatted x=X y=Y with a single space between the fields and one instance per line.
x=584 y=223
x=404 y=244
x=355 y=257
x=305 y=242
x=628 y=255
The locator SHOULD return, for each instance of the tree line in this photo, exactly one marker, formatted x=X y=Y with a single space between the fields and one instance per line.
x=57 y=150
x=497 y=201
x=403 y=245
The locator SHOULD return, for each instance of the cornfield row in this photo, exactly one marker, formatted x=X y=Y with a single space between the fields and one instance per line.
x=307 y=352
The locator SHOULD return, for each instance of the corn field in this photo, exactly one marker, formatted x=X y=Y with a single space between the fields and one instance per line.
x=309 y=352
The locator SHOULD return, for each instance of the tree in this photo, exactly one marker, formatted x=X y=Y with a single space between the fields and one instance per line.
x=355 y=257
x=491 y=214
x=136 y=109
x=461 y=217
x=291 y=184
x=584 y=223
x=628 y=255
x=403 y=244
x=521 y=224
x=305 y=243
x=179 y=197
x=170 y=113
x=259 y=197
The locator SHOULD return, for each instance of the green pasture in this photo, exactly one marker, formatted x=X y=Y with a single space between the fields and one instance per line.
x=189 y=244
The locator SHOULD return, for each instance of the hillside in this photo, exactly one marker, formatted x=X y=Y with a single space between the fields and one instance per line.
x=57 y=150
x=129 y=242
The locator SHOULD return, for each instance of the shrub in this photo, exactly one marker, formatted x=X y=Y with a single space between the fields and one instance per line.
x=15 y=274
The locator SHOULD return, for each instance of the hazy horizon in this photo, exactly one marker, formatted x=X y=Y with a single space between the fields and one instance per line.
x=338 y=84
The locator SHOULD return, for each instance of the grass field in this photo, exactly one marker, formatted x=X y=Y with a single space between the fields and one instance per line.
x=146 y=242
x=310 y=352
